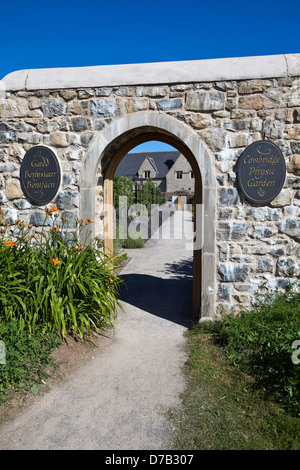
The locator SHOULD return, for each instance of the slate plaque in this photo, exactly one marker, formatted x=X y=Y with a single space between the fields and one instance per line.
x=261 y=172
x=40 y=175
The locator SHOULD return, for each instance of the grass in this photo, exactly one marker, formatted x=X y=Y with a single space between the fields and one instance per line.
x=222 y=409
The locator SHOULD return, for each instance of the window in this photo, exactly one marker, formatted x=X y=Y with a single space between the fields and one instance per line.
x=179 y=175
x=147 y=174
x=192 y=174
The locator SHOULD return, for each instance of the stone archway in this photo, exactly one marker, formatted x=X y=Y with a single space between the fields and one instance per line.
x=114 y=142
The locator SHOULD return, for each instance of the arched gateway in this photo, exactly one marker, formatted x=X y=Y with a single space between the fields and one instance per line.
x=114 y=142
x=212 y=111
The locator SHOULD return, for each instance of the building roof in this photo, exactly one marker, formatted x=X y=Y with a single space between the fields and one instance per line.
x=163 y=161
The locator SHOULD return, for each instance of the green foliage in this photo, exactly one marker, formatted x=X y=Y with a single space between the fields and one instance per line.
x=260 y=341
x=51 y=280
x=149 y=194
x=123 y=186
x=26 y=356
x=221 y=409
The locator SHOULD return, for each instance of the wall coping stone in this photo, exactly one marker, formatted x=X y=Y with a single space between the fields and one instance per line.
x=208 y=70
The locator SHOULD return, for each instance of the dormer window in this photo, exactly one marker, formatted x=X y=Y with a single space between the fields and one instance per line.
x=147 y=174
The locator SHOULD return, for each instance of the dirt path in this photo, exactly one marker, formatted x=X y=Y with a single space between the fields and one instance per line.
x=116 y=398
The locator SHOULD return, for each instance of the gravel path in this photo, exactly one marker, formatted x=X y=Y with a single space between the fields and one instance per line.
x=117 y=400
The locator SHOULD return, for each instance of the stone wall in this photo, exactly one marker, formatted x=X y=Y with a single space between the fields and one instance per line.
x=256 y=245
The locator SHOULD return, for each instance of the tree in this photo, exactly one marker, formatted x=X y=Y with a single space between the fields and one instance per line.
x=123 y=187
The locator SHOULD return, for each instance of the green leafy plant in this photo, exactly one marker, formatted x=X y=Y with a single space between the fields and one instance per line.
x=52 y=279
x=260 y=341
x=26 y=358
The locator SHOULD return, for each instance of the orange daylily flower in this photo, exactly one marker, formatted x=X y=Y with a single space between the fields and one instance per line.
x=89 y=221
x=10 y=243
x=55 y=261
x=52 y=209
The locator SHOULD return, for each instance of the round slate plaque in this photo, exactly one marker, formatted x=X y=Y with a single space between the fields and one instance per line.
x=40 y=175
x=261 y=172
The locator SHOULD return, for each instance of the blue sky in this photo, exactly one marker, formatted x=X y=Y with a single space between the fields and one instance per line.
x=37 y=34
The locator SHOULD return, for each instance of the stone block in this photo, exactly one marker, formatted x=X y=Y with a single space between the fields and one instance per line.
x=292 y=131
x=241 y=259
x=68 y=179
x=103 y=91
x=13 y=190
x=3 y=198
x=263 y=214
x=294 y=98
x=53 y=107
x=215 y=138
x=68 y=94
x=228 y=197
x=198 y=121
x=284 y=198
x=262 y=232
x=67 y=200
x=232 y=230
x=265 y=265
x=167 y=105
x=225 y=86
x=277 y=252
x=255 y=250
x=68 y=219
x=104 y=107
x=22 y=204
x=290 y=227
x=59 y=139
x=86 y=138
x=7 y=167
x=287 y=267
x=233 y=272
x=295 y=146
x=152 y=91
x=133 y=105
x=273 y=129
x=223 y=292
x=80 y=124
x=256 y=102
x=10 y=108
x=294 y=164
x=39 y=219
x=239 y=140
x=7 y=134
x=205 y=101
x=12 y=216
x=253 y=86
x=222 y=251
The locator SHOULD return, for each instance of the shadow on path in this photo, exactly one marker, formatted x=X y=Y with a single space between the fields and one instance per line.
x=169 y=298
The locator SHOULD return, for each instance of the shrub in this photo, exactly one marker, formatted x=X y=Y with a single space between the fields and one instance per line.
x=123 y=187
x=51 y=279
x=260 y=341
x=26 y=358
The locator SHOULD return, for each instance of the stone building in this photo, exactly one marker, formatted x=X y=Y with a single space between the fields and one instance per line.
x=210 y=111
x=169 y=170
